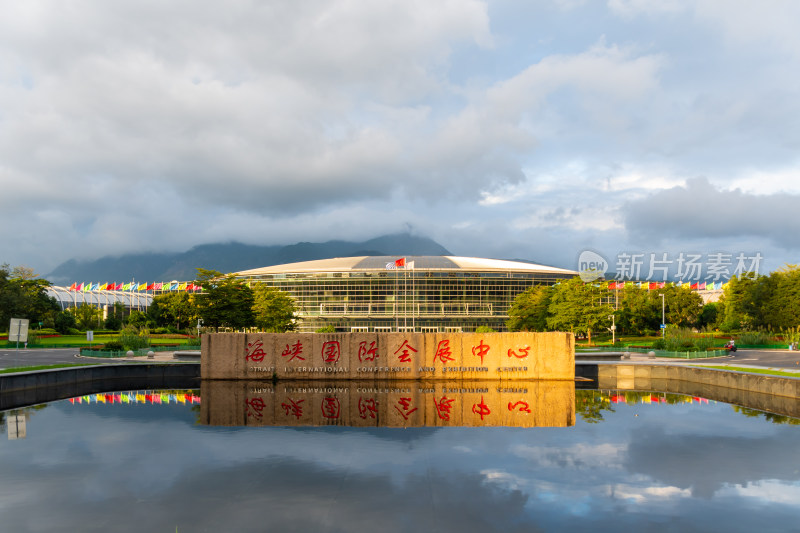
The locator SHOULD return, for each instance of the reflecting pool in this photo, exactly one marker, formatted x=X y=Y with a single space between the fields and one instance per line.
x=203 y=460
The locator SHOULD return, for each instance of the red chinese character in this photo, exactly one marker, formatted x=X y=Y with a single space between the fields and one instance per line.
x=524 y=409
x=443 y=407
x=330 y=351
x=255 y=351
x=254 y=407
x=367 y=407
x=295 y=350
x=480 y=350
x=443 y=353
x=293 y=406
x=405 y=357
x=481 y=409
x=330 y=407
x=365 y=353
x=405 y=403
x=523 y=352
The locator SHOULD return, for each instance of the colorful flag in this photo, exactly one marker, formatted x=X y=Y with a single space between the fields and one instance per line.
x=710 y=286
x=702 y=286
x=662 y=284
x=653 y=286
x=182 y=286
x=158 y=286
x=410 y=265
x=400 y=262
x=694 y=286
x=72 y=287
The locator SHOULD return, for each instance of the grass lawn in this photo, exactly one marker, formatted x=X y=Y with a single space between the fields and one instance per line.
x=42 y=367
x=80 y=341
x=753 y=370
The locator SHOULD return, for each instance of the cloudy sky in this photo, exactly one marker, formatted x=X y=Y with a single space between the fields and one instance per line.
x=499 y=128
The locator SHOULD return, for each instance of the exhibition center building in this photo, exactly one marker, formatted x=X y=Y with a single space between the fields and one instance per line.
x=414 y=293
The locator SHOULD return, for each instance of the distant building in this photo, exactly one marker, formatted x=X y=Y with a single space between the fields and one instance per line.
x=440 y=293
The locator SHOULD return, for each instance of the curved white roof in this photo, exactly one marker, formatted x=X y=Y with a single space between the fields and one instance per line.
x=421 y=262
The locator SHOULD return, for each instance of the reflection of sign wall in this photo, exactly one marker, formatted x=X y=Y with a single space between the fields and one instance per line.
x=388 y=404
x=18 y=330
x=429 y=356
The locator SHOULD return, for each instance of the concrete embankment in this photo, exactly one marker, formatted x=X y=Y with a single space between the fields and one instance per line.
x=28 y=388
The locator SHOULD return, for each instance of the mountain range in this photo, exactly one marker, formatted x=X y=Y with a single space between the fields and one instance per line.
x=232 y=257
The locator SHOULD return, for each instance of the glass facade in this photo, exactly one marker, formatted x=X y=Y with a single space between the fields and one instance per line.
x=439 y=294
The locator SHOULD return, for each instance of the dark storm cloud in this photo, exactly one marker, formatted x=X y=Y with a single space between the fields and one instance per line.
x=700 y=210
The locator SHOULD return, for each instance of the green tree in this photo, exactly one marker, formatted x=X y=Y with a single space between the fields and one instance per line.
x=579 y=307
x=636 y=314
x=529 y=311
x=742 y=302
x=176 y=309
x=780 y=303
x=87 y=316
x=65 y=321
x=225 y=300
x=273 y=309
x=115 y=316
x=138 y=320
x=22 y=295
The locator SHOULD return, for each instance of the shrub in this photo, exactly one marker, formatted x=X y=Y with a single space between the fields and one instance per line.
x=133 y=339
x=327 y=329
x=685 y=340
x=484 y=329
x=114 y=346
x=754 y=338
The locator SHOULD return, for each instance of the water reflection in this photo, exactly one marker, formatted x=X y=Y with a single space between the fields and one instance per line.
x=389 y=404
x=651 y=460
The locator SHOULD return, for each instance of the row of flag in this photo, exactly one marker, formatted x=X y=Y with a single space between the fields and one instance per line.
x=137 y=397
x=619 y=398
x=135 y=287
x=653 y=285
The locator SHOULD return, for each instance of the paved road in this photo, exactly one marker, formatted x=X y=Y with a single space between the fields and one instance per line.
x=22 y=358
x=766 y=358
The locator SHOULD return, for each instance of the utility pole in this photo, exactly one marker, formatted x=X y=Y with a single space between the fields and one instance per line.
x=663 y=323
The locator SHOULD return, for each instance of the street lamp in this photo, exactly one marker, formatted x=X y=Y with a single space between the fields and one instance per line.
x=199 y=323
x=663 y=324
x=613 y=329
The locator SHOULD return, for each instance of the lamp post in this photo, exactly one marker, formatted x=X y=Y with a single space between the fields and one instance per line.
x=199 y=323
x=663 y=324
x=613 y=329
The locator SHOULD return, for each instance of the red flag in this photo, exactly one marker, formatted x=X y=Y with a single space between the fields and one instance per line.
x=400 y=262
x=694 y=286
x=71 y=287
x=653 y=286
x=149 y=287
x=119 y=287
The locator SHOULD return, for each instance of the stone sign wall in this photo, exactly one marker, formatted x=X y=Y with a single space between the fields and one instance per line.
x=377 y=356
x=388 y=404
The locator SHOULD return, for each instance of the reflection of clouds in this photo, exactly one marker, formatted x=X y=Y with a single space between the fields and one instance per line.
x=705 y=463
x=771 y=491
x=643 y=494
x=612 y=476
x=602 y=455
x=504 y=479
